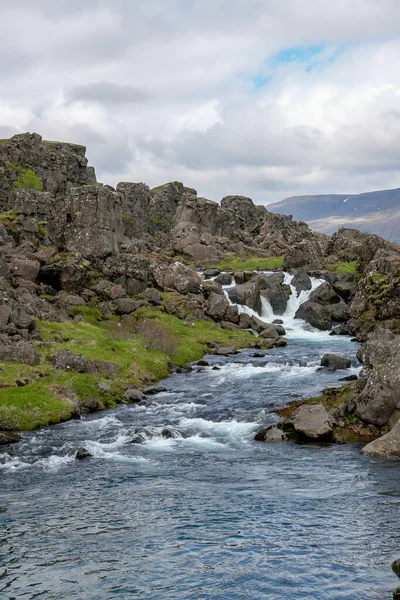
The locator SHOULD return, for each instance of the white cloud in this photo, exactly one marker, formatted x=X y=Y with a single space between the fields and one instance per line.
x=172 y=90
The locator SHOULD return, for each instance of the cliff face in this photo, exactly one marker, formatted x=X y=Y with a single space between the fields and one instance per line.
x=79 y=214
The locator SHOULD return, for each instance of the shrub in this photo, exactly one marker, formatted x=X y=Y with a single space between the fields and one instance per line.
x=29 y=180
x=156 y=337
x=122 y=330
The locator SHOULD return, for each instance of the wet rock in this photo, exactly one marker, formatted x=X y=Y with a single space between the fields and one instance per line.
x=310 y=421
x=316 y=315
x=269 y=331
x=257 y=355
x=396 y=567
x=277 y=322
x=387 y=446
x=301 y=282
x=91 y=405
x=325 y=295
x=7 y=437
x=82 y=454
x=280 y=342
x=133 y=395
x=152 y=391
x=226 y=350
x=169 y=433
x=271 y=434
x=211 y=272
x=224 y=278
x=203 y=363
x=334 y=362
x=349 y=378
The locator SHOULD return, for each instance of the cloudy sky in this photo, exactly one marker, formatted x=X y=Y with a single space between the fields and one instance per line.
x=267 y=98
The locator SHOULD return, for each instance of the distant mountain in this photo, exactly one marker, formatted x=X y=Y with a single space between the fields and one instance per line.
x=373 y=212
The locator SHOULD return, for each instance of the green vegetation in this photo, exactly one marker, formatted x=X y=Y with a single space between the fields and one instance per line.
x=144 y=354
x=330 y=398
x=343 y=267
x=9 y=219
x=234 y=262
x=29 y=180
x=128 y=219
x=157 y=221
x=164 y=185
x=90 y=315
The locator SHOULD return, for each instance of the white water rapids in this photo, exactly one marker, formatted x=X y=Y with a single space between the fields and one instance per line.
x=295 y=328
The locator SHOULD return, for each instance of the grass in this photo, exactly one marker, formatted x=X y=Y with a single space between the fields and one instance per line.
x=29 y=180
x=234 y=262
x=330 y=398
x=37 y=403
x=343 y=267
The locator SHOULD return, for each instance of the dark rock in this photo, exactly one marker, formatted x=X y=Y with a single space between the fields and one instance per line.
x=277 y=322
x=5 y=313
x=301 y=282
x=82 y=453
x=280 y=342
x=316 y=315
x=152 y=391
x=203 y=363
x=125 y=306
x=325 y=295
x=349 y=378
x=211 y=272
x=152 y=296
x=7 y=437
x=396 y=567
x=134 y=395
x=224 y=278
x=377 y=393
x=21 y=352
x=334 y=362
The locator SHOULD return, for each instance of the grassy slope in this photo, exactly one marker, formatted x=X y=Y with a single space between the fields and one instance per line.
x=233 y=262
x=37 y=403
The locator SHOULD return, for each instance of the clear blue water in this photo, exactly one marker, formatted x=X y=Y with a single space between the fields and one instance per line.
x=211 y=515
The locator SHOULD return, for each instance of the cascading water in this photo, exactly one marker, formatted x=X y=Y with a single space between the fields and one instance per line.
x=295 y=328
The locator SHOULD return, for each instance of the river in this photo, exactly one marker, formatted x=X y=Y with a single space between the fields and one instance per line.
x=209 y=513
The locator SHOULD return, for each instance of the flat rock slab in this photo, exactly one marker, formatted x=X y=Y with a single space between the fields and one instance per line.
x=312 y=421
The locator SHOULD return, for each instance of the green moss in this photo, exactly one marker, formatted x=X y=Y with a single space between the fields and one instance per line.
x=343 y=267
x=41 y=233
x=9 y=219
x=164 y=185
x=5 y=142
x=234 y=262
x=128 y=219
x=90 y=315
x=157 y=221
x=29 y=180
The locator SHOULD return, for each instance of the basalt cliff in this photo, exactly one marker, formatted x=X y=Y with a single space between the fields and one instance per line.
x=85 y=267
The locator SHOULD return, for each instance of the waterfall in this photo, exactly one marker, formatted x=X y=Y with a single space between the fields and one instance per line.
x=295 y=328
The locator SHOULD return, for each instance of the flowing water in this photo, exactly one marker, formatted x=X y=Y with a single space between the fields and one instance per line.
x=207 y=513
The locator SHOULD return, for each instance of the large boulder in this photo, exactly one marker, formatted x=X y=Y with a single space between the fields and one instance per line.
x=387 y=446
x=376 y=395
x=325 y=295
x=301 y=282
x=216 y=306
x=334 y=362
x=310 y=421
x=176 y=276
x=21 y=352
x=316 y=315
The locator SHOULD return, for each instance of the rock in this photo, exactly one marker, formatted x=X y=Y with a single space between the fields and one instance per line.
x=339 y=312
x=232 y=315
x=280 y=342
x=224 y=279
x=105 y=367
x=5 y=313
x=22 y=352
x=226 y=350
x=104 y=386
x=211 y=272
x=376 y=395
x=387 y=446
x=316 y=315
x=396 y=567
x=311 y=421
x=25 y=268
x=396 y=594
x=271 y=434
x=152 y=391
x=176 y=276
x=134 y=395
x=68 y=361
x=334 y=362
x=211 y=286
x=7 y=437
x=125 y=306
x=301 y=282
x=216 y=306
x=345 y=286
x=277 y=322
x=82 y=453
x=21 y=319
x=394 y=419
x=325 y=295
x=152 y=296
x=245 y=321
x=349 y=378
x=91 y=405
x=269 y=332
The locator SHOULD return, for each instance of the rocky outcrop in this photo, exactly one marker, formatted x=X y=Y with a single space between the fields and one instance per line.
x=377 y=394
x=387 y=446
x=309 y=421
